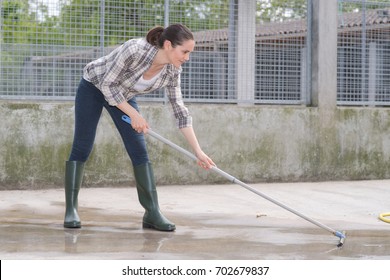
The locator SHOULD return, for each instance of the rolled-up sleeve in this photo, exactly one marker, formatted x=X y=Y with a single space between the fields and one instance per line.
x=180 y=111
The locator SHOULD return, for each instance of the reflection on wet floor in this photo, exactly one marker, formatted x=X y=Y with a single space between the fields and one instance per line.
x=231 y=227
x=120 y=240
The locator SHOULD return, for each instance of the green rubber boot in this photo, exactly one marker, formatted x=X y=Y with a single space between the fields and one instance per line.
x=147 y=196
x=74 y=172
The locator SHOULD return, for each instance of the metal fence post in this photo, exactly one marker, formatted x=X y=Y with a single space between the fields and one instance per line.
x=246 y=56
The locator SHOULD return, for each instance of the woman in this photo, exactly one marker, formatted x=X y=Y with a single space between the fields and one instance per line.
x=136 y=67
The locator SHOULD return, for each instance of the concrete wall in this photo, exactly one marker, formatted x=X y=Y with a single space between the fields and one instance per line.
x=252 y=143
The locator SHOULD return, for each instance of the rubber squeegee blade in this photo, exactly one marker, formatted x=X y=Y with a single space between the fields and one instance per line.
x=342 y=238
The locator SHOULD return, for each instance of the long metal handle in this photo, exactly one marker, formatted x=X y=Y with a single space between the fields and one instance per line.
x=236 y=181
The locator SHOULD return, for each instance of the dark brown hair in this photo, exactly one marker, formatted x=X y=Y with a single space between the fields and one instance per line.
x=175 y=33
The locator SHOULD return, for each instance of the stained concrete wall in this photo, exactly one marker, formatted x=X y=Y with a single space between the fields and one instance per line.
x=253 y=143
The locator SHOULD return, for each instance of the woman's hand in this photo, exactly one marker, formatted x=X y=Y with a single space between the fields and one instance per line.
x=139 y=124
x=204 y=161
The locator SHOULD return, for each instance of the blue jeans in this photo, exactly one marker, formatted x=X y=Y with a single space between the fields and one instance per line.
x=88 y=109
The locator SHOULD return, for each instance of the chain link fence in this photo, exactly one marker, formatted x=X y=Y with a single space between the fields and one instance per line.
x=44 y=45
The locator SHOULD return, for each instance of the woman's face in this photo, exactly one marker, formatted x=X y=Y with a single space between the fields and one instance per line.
x=181 y=53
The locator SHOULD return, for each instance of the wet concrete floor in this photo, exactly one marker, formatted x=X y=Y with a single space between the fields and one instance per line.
x=213 y=222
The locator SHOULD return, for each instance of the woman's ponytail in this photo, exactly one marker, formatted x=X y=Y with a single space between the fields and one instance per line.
x=154 y=35
x=175 y=33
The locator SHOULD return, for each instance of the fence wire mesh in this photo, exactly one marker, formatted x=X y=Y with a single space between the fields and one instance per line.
x=44 y=45
x=364 y=53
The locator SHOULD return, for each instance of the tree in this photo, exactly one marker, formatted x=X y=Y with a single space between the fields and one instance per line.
x=82 y=21
x=200 y=15
x=23 y=25
x=15 y=21
x=280 y=10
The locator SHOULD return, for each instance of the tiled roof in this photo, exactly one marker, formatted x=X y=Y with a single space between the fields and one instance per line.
x=346 y=20
x=373 y=17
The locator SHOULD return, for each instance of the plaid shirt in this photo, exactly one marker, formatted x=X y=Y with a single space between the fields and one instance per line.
x=116 y=74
